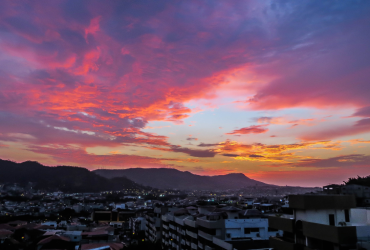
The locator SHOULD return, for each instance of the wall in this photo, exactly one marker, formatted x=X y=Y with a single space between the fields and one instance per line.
x=320 y=216
x=363 y=232
x=359 y=216
x=236 y=228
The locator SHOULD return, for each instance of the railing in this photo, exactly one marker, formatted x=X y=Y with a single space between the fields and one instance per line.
x=205 y=235
x=170 y=217
x=280 y=244
x=222 y=244
x=200 y=245
x=339 y=235
x=210 y=224
x=179 y=221
x=190 y=223
x=164 y=217
x=191 y=234
x=208 y=248
x=281 y=223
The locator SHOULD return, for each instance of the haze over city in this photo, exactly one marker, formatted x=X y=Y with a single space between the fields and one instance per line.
x=276 y=90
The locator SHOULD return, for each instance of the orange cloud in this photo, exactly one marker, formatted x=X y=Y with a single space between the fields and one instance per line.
x=268 y=153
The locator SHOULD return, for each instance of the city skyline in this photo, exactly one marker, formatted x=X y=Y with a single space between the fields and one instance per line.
x=277 y=90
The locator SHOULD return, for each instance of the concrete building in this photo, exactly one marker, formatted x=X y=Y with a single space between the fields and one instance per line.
x=212 y=227
x=153 y=231
x=324 y=222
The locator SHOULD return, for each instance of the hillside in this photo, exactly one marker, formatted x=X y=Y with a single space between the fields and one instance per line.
x=172 y=178
x=63 y=178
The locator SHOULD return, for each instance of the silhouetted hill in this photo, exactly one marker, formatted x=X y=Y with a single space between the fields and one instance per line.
x=172 y=178
x=63 y=178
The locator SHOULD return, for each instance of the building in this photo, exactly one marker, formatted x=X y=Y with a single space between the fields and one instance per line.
x=211 y=227
x=324 y=222
x=153 y=230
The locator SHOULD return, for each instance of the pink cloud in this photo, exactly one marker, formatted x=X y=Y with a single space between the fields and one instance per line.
x=255 y=129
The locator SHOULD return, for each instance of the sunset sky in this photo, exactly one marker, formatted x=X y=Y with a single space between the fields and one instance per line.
x=277 y=90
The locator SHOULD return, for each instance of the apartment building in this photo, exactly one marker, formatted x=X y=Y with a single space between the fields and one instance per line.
x=361 y=192
x=138 y=225
x=323 y=222
x=153 y=231
x=211 y=227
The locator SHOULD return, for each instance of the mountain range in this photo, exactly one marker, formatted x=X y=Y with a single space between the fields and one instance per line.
x=63 y=178
x=172 y=178
x=78 y=179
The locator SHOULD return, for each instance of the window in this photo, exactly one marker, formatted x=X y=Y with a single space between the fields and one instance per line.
x=272 y=229
x=251 y=230
x=331 y=220
x=346 y=215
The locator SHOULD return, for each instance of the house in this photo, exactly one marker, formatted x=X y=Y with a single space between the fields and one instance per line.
x=332 y=189
x=55 y=242
x=4 y=234
x=73 y=236
x=120 y=205
x=17 y=223
x=103 y=246
x=53 y=224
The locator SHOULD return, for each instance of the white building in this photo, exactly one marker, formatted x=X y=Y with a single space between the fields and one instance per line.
x=120 y=206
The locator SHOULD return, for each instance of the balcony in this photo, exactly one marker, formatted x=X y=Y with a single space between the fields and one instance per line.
x=338 y=235
x=200 y=245
x=179 y=221
x=191 y=234
x=157 y=223
x=205 y=235
x=165 y=227
x=190 y=223
x=208 y=248
x=280 y=244
x=170 y=217
x=210 y=224
x=194 y=246
x=172 y=227
x=164 y=218
x=280 y=223
x=222 y=244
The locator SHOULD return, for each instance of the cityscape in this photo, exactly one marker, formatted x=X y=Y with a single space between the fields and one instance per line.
x=185 y=125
